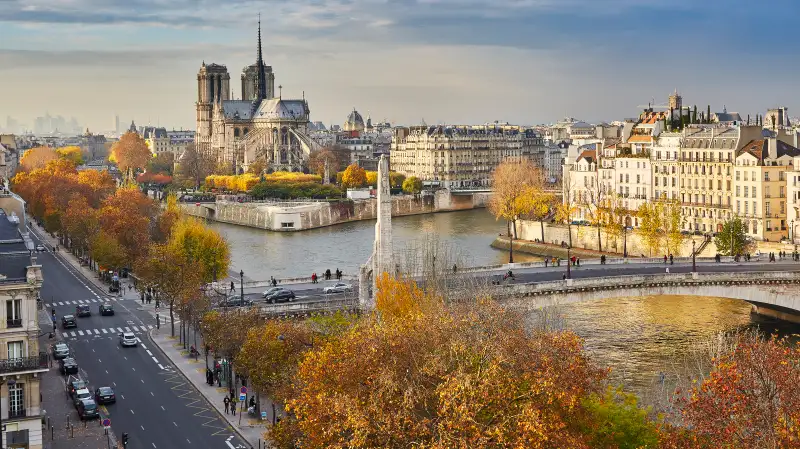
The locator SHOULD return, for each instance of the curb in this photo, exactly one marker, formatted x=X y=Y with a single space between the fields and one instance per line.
x=205 y=398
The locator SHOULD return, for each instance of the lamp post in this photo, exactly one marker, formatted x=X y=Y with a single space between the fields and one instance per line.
x=694 y=265
x=569 y=261
x=241 y=284
x=791 y=231
x=625 y=241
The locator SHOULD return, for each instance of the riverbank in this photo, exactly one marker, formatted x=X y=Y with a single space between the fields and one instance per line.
x=548 y=250
x=293 y=216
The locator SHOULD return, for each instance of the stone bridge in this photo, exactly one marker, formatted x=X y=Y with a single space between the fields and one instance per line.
x=772 y=293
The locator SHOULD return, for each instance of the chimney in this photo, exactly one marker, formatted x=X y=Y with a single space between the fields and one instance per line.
x=773 y=147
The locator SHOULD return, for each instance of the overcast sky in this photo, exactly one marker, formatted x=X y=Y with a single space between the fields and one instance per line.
x=455 y=61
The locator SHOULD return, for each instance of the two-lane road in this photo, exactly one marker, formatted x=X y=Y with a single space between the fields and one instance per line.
x=155 y=405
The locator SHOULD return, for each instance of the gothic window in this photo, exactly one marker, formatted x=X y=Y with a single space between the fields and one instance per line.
x=246 y=130
x=236 y=132
x=284 y=136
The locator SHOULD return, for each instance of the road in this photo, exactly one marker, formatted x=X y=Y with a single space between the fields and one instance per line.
x=155 y=405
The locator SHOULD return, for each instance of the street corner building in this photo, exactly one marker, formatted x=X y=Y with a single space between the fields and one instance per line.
x=261 y=126
x=22 y=362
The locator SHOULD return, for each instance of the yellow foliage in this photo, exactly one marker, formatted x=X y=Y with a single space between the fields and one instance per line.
x=354 y=176
x=72 y=153
x=203 y=248
x=245 y=182
x=372 y=178
x=399 y=299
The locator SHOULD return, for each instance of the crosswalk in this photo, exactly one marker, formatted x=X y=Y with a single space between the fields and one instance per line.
x=107 y=331
x=85 y=301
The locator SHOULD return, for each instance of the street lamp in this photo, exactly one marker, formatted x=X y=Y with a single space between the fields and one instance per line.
x=625 y=241
x=241 y=284
x=569 y=261
x=694 y=265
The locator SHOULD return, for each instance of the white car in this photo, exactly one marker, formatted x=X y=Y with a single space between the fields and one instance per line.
x=128 y=339
x=40 y=247
x=80 y=395
x=339 y=287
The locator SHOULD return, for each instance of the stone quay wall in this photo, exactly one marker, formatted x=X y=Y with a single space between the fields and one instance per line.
x=291 y=216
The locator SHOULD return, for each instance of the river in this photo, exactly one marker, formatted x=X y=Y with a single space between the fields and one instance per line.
x=638 y=338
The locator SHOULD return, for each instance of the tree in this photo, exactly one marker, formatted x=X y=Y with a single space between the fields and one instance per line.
x=597 y=208
x=162 y=163
x=568 y=207
x=516 y=187
x=195 y=165
x=708 y=114
x=127 y=216
x=616 y=420
x=440 y=375
x=354 y=176
x=650 y=226
x=396 y=179
x=107 y=252
x=336 y=157
x=130 y=154
x=412 y=185
x=372 y=179
x=694 y=114
x=202 y=247
x=733 y=240
x=751 y=398
x=71 y=153
x=542 y=209
x=37 y=158
x=257 y=167
x=672 y=221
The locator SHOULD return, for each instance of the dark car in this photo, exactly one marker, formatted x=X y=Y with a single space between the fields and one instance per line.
x=68 y=321
x=83 y=310
x=87 y=409
x=235 y=301
x=114 y=287
x=280 y=296
x=75 y=385
x=60 y=351
x=106 y=309
x=68 y=366
x=104 y=395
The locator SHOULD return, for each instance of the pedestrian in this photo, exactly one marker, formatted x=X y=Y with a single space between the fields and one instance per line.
x=141 y=296
x=233 y=406
x=252 y=401
x=563 y=277
x=455 y=268
x=313 y=278
x=667 y=270
x=233 y=287
x=545 y=262
x=227 y=403
x=578 y=260
x=665 y=259
x=670 y=259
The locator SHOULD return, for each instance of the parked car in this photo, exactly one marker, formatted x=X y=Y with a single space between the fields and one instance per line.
x=270 y=290
x=80 y=395
x=128 y=339
x=60 y=351
x=282 y=295
x=106 y=309
x=82 y=310
x=105 y=395
x=87 y=409
x=74 y=385
x=68 y=321
x=339 y=287
x=68 y=366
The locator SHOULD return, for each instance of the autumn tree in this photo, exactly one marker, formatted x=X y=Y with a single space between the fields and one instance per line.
x=257 y=167
x=751 y=399
x=354 y=176
x=130 y=153
x=162 y=163
x=37 y=158
x=195 y=165
x=334 y=157
x=396 y=179
x=651 y=226
x=412 y=185
x=465 y=375
x=568 y=207
x=127 y=216
x=372 y=179
x=516 y=190
x=71 y=153
x=107 y=252
x=733 y=239
x=203 y=248
x=81 y=223
x=672 y=222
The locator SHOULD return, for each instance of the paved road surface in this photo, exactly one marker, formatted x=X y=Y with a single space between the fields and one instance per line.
x=153 y=406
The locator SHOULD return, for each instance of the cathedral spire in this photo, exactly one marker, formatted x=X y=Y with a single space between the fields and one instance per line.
x=262 y=76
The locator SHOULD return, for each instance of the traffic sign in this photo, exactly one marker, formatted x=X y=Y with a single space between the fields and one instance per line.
x=243 y=390
x=263 y=415
x=242 y=397
x=106 y=422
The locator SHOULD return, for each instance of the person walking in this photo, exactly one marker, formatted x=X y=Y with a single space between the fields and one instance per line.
x=233 y=406
x=313 y=278
x=233 y=286
x=665 y=259
x=227 y=403
x=670 y=259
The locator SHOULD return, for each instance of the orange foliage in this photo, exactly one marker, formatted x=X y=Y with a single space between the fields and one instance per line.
x=130 y=152
x=37 y=158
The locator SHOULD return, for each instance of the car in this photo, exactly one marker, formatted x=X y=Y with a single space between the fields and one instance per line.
x=128 y=339
x=60 y=351
x=87 y=409
x=40 y=247
x=271 y=290
x=235 y=301
x=74 y=385
x=282 y=295
x=339 y=287
x=106 y=309
x=68 y=366
x=105 y=395
x=82 y=310
x=68 y=321
x=80 y=395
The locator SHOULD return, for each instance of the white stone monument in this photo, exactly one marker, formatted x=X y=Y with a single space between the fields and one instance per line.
x=382 y=258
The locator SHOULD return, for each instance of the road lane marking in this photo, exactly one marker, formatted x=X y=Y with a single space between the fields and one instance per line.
x=149 y=353
x=141 y=426
x=132 y=367
x=151 y=394
x=136 y=329
x=154 y=444
x=155 y=359
x=127 y=329
x=96 y=332
x=160 y=366
x=80 y=333
x=173 y=422
x=142 y=380
x=131 y=410
x=162 y=408
x=99 y=361
x=143 y=346
x=104 y=331
x=119 y=329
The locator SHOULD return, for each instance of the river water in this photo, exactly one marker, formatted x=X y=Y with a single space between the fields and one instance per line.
x=638 y=338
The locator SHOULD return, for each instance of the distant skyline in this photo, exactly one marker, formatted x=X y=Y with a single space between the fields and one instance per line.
x=454 y=61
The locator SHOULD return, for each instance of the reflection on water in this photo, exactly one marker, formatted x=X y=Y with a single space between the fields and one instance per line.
x=262 y=254
x=641 y=337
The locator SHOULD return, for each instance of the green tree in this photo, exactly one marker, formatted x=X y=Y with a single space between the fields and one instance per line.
x=733 y=239
x=671 y=220
x=412 y=185
x=616 y=420
x=694 y=114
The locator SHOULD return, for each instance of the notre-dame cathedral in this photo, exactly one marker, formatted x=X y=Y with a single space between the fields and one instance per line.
x=260 y=126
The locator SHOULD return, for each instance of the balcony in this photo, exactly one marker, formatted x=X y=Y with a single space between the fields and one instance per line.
x=24 y=364
x=13 y=322
x=13 y=414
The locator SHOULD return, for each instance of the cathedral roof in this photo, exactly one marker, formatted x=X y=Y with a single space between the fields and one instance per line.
x=237 y=109
x=276 y=108
x=355 y=118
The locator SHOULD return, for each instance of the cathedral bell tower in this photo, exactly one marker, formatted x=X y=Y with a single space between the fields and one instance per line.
x=213 y=86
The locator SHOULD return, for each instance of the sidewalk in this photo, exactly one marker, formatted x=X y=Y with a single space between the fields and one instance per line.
x=250 y=429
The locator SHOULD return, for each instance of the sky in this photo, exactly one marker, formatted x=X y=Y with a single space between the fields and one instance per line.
x=403 y=61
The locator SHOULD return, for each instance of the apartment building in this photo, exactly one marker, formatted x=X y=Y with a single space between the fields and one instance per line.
x=22 y=361
x=462 y=156
x=664 y=157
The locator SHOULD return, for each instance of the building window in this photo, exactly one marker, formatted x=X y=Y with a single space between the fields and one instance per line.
x=287 y=224
x=766 y=208
x=14 y=313
x=15 y=350
x=769 y=225
x=16 y=398
x=738 y=207
x=738 y=192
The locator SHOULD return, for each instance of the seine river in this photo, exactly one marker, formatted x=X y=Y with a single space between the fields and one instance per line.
x=639 y=338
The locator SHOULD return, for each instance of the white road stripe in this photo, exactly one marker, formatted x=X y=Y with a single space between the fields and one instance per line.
x=119 y=329
x=104 y=331
x=135 y=328
x=144 y=347
x=69 y=334
x=127 y=329
x=80 y=301
x=155 y=359
x=96 y=332
x=150 y=326
x=149 y=353
x=80 y=332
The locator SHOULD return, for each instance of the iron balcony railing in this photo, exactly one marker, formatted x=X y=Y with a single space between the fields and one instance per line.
x=13 y=322
x=24 y=363
x=20 y=413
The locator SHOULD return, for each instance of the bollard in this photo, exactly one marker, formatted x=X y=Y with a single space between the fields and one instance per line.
x=52 y=433
x=72 y=431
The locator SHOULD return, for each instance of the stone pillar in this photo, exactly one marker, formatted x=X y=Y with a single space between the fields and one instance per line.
x=383 y=255
x=365 y=300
